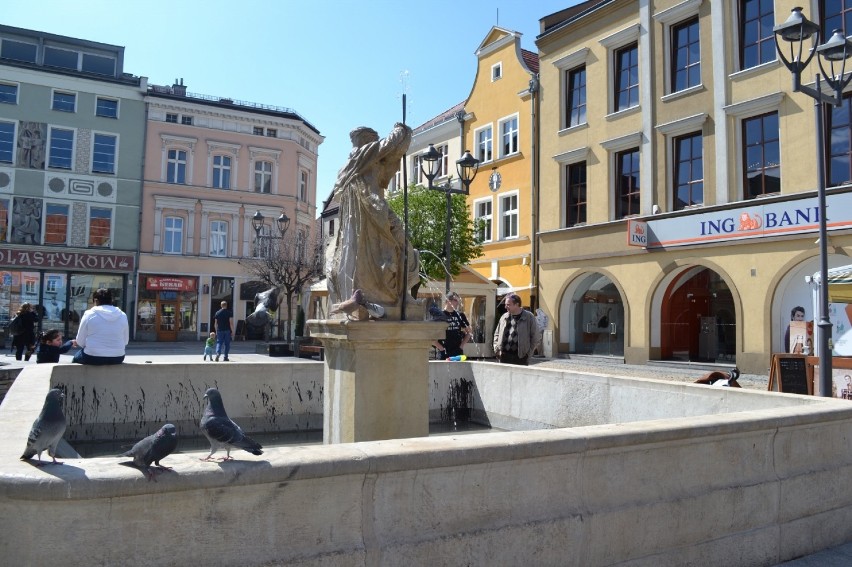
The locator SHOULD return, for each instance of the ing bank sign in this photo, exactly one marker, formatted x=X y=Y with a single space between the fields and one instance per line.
x=758 y=220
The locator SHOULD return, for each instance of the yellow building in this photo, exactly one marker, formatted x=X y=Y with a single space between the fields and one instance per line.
x=678 y=204
x=499 y=132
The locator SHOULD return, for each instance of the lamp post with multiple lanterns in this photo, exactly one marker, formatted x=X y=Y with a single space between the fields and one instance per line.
x=257 y=221
x=835 y=51
x=467 y=168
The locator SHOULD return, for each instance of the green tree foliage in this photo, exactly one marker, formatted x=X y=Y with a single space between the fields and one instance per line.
x=427 y=221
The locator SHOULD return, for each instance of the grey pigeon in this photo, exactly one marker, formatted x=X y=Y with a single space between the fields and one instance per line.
x=349 y=306
x=221 y=431
x=154 y=448
x=47 y=429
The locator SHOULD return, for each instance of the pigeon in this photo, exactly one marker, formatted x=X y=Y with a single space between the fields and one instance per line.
x=719 y=379
x=47 y=429
x=221 y=431
x=154 y=448
x=349 y=306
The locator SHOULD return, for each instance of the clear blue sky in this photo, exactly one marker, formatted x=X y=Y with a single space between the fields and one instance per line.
x=338 y=63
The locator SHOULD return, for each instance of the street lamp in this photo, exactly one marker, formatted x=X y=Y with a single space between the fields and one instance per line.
x=796 y=30
x=282 y=221
x=467 y=167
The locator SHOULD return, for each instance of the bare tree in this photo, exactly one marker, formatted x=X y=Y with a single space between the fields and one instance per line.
x=288 y=264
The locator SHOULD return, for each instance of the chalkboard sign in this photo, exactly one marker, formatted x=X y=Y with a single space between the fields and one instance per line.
x=791 y=372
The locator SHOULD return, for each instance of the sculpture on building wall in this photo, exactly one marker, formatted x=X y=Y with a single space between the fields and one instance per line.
x=368 y=253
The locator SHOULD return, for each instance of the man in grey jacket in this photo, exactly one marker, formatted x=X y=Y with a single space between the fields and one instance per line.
x=517 y=333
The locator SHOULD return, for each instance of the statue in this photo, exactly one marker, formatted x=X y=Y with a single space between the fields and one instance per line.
x=368 y=254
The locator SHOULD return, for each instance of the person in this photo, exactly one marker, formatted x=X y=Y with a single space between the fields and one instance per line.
x=797 y=314
x=517 y=333
x=458 y=329
x=26 y=338
x=368 y=252
x=208 y=346
x=222 y=323
x=50 y=346
x=103 y=332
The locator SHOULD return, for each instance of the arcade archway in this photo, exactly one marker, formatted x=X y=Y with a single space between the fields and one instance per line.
x=595 y=316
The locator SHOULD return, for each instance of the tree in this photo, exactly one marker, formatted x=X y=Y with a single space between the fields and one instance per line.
x=288 y=264
x=427 y=225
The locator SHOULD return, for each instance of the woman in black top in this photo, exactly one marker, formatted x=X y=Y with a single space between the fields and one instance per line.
x=26 y=339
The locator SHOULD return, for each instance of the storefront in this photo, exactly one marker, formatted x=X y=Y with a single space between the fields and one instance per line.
x=167 y=308
x=59 y=284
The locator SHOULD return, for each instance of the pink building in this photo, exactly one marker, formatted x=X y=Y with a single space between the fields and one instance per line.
x=209 y=165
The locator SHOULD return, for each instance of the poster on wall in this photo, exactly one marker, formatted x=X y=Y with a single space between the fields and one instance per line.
x=841 y=330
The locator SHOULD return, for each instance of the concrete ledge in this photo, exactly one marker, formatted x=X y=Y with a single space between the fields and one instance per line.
x=755 y=486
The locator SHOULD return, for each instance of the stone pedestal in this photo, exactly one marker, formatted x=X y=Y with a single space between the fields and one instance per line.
x=376 y=378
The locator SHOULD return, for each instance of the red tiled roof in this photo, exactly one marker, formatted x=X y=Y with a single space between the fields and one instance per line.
x=531 y=59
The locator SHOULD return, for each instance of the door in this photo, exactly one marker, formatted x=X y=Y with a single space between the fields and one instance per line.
x=167 y=321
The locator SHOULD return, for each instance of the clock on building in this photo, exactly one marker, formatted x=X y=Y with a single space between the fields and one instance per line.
x=495 y=180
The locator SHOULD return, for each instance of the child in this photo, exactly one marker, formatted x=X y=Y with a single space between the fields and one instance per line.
x=50 y=346
x=208 y=347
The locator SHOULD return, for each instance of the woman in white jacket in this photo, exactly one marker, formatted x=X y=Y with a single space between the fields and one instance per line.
x=103 y=332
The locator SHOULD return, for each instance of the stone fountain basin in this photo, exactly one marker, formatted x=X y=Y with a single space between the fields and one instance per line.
x=605 y=470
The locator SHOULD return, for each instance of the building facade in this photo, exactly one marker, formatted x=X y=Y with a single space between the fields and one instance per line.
x=211 y=164
x=71 y=123
x=678 y=207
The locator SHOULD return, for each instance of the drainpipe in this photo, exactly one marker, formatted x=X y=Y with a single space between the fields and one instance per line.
x=534 y=87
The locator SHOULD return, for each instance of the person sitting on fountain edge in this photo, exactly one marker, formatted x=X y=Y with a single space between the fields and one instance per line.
x=458 y=329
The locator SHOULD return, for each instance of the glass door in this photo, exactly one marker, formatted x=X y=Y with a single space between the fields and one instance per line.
x=168 y=322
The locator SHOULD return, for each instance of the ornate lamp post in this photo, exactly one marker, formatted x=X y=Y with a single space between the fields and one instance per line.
x=282 y=221
x=836 y=50
x=467 y=168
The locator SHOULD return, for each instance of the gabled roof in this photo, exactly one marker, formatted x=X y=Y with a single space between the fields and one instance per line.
x=446 y=116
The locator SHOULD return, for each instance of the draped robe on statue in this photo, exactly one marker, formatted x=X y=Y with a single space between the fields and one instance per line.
x=368 y=252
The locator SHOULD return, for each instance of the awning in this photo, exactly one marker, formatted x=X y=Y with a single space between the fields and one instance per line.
x=840 y=284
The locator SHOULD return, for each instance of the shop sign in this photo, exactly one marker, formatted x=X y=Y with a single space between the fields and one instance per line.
x=755 y=221
x=637 y=233
x=158 y=283
x=30 y=258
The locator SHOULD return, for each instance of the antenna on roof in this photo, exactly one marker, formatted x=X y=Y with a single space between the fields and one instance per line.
x=498 y=17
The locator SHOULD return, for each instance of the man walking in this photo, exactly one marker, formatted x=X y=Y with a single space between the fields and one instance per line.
x=223 y=319
x=517 y=333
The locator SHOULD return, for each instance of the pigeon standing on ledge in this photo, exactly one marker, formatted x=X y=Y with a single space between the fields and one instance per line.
x=47 y=429
x=349 y=306
x=221 y=431
x=154 y=448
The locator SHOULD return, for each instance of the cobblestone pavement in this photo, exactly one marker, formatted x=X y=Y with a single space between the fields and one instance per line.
x=672 y=373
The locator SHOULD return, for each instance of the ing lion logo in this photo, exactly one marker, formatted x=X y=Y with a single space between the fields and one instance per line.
x=637 y=229
x=748 y=222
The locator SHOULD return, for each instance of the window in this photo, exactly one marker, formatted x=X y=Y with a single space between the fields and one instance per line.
x=445 y=161
x=176 y=167
x=64 y=102
x=496 y=72
x=303 y=186
x=7 y=142
x=575 y=193
x=56 y=223
x=18 y=51
x=173 y=236
x=576 y=103
x=757 y=42
x=509 y=216
x=98 y=64
x=106 y=107
x=839 y=152
x=4 y=220
x=762 y=156
x=627 y=183
x=219 y=238
x=8 y=93
x=221 y=172
x=626 y=77
x=103 y=153
x=331 y=227
x=61 y=148
x=262 y=176
x=509 y=136
x=258 y=131
x=186 y=120
x=173 y=118
x=272 y=132
x=686 y=56
x=483 y=144
x=54 y=57
x=482 y=218
x=301 y=243
x=688 y=171
x=100 y=227
x=837 y=15
x=416 y=174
